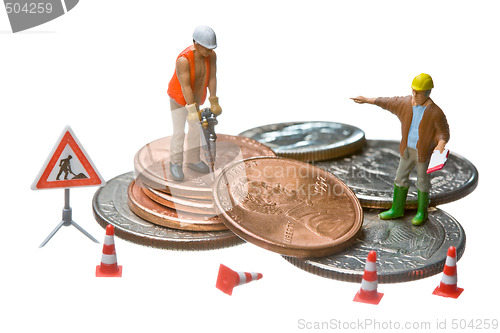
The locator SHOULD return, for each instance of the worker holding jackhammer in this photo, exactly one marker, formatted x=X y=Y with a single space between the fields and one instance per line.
x=195 y=73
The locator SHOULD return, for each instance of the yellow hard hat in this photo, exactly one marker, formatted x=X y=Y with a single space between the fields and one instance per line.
x=422 y=82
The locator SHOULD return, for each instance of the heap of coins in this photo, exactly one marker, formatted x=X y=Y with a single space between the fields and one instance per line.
x=405 y=252
x=110 y=206
x=316 y=203
x=151 y=208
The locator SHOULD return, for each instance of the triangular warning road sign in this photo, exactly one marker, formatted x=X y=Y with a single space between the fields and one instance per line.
x=68 y=165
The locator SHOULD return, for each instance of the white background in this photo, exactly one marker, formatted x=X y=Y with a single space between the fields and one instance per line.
x=104 y=67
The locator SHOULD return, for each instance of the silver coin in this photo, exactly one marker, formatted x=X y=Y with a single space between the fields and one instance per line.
x=404 y=252
x=309 y=141
x=110 y=207
x=370 y=174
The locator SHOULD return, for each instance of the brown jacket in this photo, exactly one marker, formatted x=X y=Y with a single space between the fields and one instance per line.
x=432 y=129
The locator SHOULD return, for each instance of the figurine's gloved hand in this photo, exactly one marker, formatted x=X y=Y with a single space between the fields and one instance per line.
x=214 y=105
x=192 y=115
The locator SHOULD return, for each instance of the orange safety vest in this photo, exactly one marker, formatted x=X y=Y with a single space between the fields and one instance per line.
x=174 y=86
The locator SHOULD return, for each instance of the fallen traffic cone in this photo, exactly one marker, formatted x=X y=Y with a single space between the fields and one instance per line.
x=228 y=279
x=109 y=266
x=448 y=286
x=368 y=292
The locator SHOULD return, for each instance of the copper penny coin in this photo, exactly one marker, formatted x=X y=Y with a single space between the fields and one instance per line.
x=152 y=165
x=153 y=212
x=288 y=206
x=196 y=206
x=110 y=207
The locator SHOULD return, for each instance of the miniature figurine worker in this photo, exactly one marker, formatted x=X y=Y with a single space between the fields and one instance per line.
x=195 y=72
x=424 y=129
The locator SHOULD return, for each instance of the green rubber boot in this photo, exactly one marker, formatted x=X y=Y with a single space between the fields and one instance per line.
x=398 y=204
x=423 y=204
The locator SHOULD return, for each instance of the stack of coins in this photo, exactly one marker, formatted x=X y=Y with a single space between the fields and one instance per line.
x=186 y=204
x=110 y=207
x=405 y=252
x=155 y=200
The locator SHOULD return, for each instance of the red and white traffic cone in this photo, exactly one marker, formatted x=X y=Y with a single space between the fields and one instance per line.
x=368 y=292
x=228 y=279
x=448 y=286
x=109 y=266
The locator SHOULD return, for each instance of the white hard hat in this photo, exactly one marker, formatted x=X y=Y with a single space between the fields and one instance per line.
x=205 y=36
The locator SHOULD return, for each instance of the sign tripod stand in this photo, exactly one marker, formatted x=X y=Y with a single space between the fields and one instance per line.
x=67 y=221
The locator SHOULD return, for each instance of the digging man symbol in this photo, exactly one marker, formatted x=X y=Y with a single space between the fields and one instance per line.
x=65 y=166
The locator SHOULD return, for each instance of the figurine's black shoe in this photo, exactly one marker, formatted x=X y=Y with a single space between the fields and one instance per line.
x=200 y=167
x=176 y=171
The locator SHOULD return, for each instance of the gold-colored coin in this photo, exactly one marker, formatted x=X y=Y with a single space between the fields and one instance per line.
x=196 y=206
x=155 y=213
x=288 y=206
